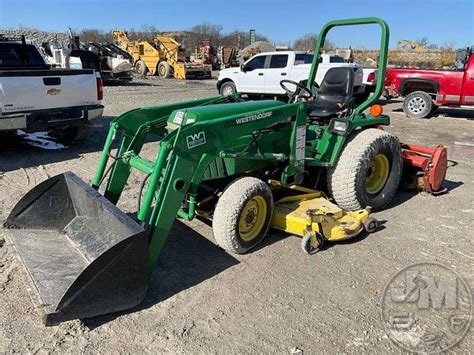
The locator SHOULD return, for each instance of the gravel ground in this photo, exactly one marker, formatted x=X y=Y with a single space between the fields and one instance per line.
x=274 y=299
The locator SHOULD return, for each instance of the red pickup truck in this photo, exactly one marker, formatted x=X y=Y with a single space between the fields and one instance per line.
x=426 y=90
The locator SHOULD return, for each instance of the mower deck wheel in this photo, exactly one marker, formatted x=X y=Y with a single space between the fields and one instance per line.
x=243 y=214
x=307 y=243
x=371 y=225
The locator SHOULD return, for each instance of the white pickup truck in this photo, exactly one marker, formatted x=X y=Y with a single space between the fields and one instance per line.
x=34 y=97
x=261 y=74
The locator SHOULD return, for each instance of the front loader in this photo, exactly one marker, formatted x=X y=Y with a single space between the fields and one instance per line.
x=247 y=165
x=163 y=56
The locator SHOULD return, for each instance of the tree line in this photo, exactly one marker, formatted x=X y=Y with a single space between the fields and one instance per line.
x=192 y=37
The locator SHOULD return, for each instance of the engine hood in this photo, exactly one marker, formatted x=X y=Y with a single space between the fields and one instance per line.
x=204 y=113
x=228 y=71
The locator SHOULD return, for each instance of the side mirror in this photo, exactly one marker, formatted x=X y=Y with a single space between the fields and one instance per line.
x=243 y=68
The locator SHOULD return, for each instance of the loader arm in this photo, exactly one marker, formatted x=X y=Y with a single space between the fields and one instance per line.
x=185 y=153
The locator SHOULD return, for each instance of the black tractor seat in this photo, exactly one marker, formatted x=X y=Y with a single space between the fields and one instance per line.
x=334 y=94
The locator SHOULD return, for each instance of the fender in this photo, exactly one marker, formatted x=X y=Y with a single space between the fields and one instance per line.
x=407 y=81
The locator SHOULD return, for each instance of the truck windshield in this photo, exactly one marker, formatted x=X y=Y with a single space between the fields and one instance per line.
x=18 y=55
x=336 y=59
x=303 y=58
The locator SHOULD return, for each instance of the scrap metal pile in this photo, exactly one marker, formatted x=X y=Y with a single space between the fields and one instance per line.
x=112 y=62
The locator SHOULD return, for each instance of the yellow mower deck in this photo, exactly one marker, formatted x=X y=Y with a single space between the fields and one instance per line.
x=312 y=216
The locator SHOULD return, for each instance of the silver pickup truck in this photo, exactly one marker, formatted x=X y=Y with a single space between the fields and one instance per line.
x=35 y=97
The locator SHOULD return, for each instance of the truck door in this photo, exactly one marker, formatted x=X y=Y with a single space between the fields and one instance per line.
x=467 y=91
x=252 y=79
x=276 y=71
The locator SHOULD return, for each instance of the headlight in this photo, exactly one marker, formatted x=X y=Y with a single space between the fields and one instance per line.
x=339 y=126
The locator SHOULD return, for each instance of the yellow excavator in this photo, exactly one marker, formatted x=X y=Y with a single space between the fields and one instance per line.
x=407 y=44
x=163 y=57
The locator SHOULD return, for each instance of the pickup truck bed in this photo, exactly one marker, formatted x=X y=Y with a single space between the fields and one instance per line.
x=35 y=97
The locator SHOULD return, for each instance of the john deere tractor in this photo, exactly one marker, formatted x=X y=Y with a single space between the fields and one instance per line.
x=246 y=165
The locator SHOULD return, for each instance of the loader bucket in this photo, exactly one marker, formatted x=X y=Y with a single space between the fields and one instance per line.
x=83 y=255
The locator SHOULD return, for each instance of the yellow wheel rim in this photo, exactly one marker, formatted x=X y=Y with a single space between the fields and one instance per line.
x=162 y=70
x=378 y=174
x=252 y=218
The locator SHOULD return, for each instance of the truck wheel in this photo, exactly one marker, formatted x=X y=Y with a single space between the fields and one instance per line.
x=164 y=70
x=141 y=69
x=367 y=172
x=227 y=88
x=417 y=104
x=242 y=215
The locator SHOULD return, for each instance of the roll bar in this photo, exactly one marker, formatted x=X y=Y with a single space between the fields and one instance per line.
x=382 y=59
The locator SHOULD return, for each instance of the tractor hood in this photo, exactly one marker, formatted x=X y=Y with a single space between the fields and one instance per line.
x=210 y=112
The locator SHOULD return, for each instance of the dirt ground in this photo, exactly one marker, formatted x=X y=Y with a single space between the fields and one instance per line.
x=274 y=299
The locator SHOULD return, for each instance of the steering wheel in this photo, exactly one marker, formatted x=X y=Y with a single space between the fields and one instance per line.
x=301 y=90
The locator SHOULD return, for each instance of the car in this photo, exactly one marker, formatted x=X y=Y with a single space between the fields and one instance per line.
x=261 y=74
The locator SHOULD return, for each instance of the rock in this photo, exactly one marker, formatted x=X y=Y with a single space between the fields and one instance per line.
x=37 y=36
x=296 y=350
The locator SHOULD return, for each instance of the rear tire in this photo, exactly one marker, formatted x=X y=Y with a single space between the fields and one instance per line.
x=418 y=104
x=367 y=172
x=227 y=88
x=141 y=69
x=242 y=215
x=164 y=70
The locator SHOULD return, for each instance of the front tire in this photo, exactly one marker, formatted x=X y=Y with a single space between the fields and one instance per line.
x=242 y=215
x=227 y=88
x=164 y=70
x=141 y=69
x=418 y=104
x=367 y=172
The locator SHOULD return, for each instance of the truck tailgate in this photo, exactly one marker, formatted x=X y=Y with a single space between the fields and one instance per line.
x=46 y=89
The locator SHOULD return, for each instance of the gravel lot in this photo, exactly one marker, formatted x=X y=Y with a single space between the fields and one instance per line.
x=273 y=299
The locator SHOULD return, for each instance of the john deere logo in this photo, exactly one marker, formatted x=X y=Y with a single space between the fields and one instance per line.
x=53 y=91
x=196 y=139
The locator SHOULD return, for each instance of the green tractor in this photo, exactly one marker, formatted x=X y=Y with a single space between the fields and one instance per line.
x=247 y=165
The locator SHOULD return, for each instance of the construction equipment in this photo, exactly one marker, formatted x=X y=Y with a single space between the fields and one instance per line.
x=222 y=158
x=206 y=53
x=407 y=44
x=163 y=57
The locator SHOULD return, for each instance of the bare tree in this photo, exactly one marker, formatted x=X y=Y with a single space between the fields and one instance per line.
x=423 y=41
x=145 y=33
x=449 y=45
x=204 y=31
x=307 y=42
x=94 y=35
